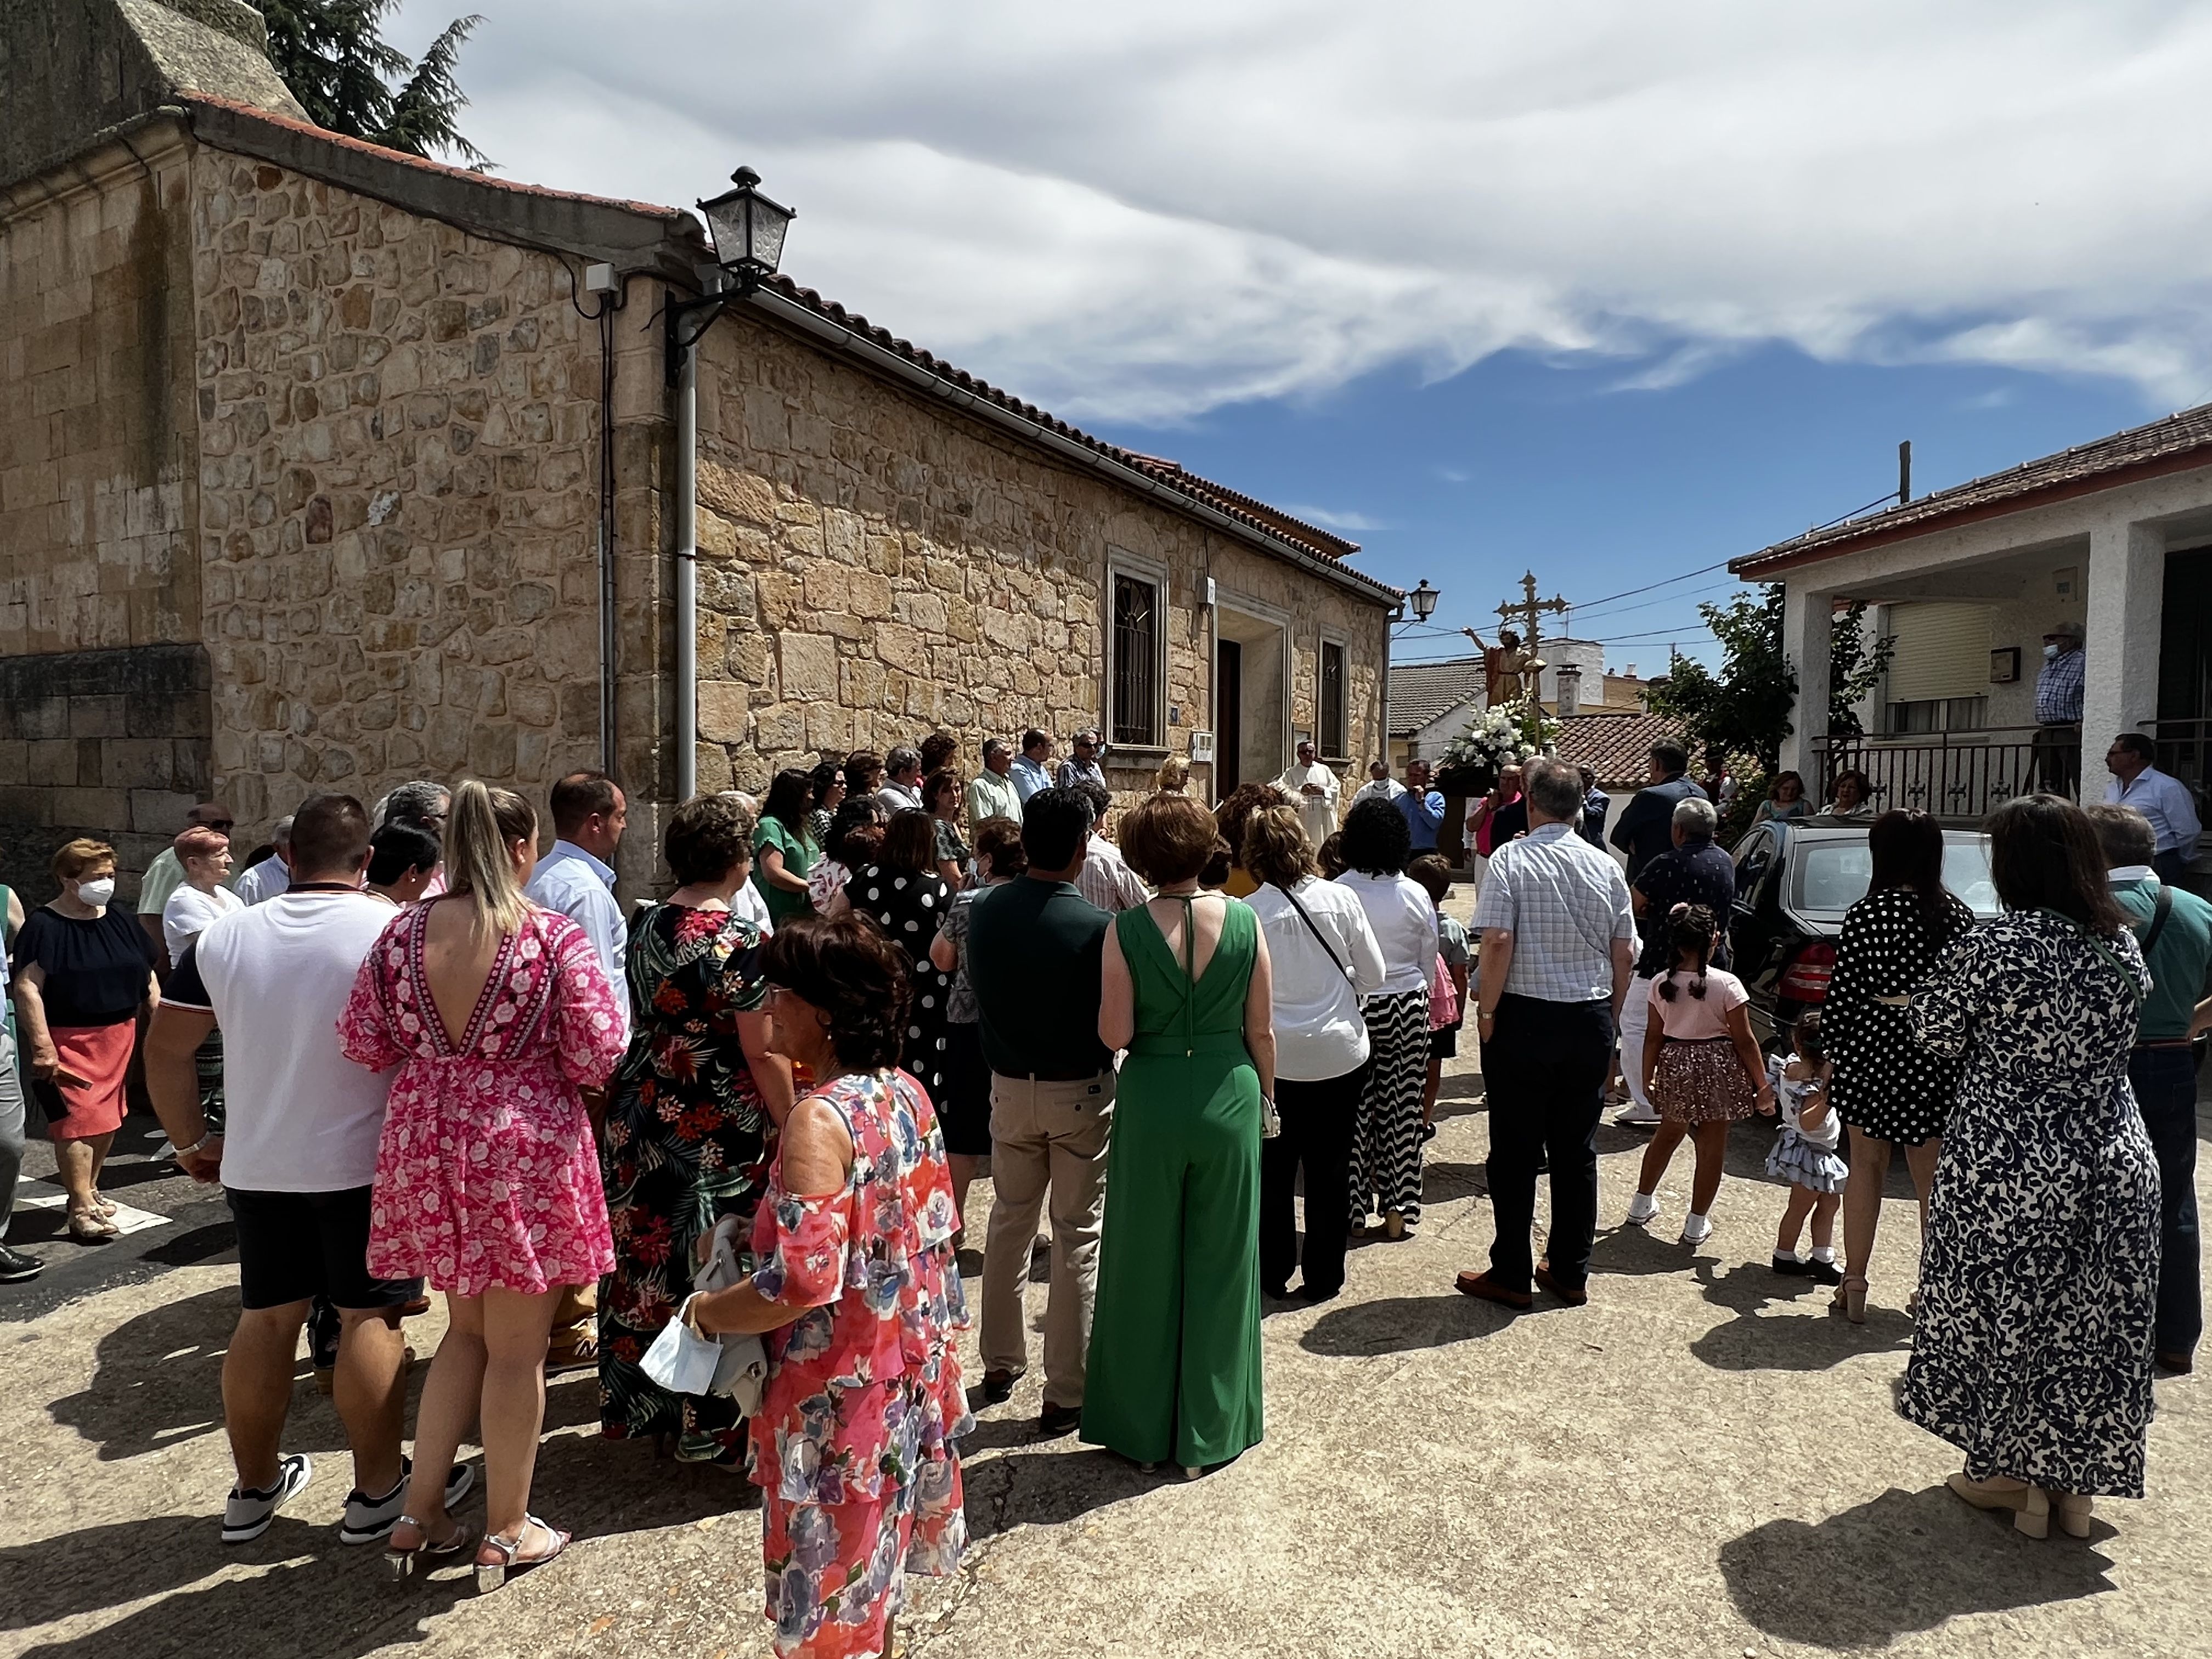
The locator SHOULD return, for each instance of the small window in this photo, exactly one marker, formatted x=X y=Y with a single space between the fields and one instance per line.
x=1332 y=740
x=1937 y=714
x=1135 y=718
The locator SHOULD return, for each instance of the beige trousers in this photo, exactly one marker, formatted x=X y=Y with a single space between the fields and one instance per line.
x=1046 y=1138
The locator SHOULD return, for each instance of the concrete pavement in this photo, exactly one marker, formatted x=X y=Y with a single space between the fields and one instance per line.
x=1702 y=1461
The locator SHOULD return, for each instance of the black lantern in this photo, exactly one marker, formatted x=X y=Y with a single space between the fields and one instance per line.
x=1424 y=599
x=748 y=228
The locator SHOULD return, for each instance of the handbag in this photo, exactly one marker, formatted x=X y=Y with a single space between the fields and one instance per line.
x=734 y=1365
x=1443 y=998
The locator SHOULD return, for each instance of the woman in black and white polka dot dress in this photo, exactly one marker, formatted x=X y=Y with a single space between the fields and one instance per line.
x=906 y=895
x=1890 y=1090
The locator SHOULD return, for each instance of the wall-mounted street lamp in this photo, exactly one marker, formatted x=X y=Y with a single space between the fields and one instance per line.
x=1424 y=601
x=748 y=229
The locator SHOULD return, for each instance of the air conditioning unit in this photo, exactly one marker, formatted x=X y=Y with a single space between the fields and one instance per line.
x=1201 y=747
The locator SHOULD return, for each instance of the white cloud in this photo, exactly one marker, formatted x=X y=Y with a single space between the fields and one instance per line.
x=1147 y=210
x=1331 y=519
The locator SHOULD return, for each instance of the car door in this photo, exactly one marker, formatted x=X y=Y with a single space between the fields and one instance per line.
x=1755 y=930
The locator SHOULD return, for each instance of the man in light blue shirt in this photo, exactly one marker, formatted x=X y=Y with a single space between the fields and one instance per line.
x=2163 y=799
x=1033 y=771
x=577 y=878
x=1423 y=807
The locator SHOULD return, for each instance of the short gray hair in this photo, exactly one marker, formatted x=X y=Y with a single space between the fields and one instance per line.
x=1696 y=816
x=1554 y=788
x=280 y=833
x=903 y=759
x=411 y=803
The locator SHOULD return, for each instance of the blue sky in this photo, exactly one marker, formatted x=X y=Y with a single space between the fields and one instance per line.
x=1602 y=288
x=1523 y=462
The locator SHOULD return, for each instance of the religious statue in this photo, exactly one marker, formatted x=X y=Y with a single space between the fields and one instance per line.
x=1503 y=665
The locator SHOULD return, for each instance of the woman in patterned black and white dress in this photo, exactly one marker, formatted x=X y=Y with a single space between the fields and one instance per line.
x=1386 y=1146
x=1887 y=1087
x=2033 y=1350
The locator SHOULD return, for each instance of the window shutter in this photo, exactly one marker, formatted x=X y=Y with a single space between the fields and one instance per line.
x=1942 y=651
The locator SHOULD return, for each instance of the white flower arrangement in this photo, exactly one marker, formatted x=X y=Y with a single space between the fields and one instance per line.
x=1501 y=737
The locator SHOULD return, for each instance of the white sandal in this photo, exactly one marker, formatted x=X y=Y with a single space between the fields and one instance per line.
x=490 y=1575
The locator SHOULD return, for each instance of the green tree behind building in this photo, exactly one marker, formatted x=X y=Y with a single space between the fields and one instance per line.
x=350 y=80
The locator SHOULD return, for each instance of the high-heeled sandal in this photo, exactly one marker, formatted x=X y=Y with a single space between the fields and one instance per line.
x=2074 y=1511
x=1850 y=1300
x=403 y=1563
x=491 y=1575
x=2030 y=1504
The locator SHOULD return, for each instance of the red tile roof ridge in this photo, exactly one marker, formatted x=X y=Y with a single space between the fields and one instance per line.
x=404 y=158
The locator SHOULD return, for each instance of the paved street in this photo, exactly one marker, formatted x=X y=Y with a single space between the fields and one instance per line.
x=1702 y=1461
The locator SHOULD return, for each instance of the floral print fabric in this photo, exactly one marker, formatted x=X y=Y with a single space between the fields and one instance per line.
x=485 y=1175
x=685 y=1144
x=853 y=1445
x=2032 y=1353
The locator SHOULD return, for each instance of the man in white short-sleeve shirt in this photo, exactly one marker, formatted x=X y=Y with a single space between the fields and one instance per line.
x=297 y=1160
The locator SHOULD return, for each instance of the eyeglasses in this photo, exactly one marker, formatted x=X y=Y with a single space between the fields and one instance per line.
x=224 y=825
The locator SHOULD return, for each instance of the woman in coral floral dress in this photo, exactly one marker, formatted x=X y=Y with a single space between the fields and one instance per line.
x=498 y=1014
x=859 y=1300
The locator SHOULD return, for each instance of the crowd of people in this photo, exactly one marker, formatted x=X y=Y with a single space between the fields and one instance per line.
x=424 y=1050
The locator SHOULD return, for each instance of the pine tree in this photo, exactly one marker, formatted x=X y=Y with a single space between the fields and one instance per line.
x=332 y=55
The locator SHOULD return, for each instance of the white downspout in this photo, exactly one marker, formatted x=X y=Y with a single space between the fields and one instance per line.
x=687 y=576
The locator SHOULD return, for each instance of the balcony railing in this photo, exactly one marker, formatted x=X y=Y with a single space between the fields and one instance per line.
x=1957 y=775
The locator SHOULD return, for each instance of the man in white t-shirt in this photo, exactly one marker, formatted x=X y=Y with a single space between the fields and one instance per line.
x=296 y=1157
x=1380 y=785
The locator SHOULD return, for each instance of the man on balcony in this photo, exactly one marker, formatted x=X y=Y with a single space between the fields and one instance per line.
x=2059 y=711
x=2164 y=801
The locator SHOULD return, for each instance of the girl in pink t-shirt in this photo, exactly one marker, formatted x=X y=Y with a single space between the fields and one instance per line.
x=1701 y=1068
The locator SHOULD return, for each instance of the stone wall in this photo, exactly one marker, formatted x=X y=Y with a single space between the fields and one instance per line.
x=99 y=430
x=874 y=566
x=398 y=496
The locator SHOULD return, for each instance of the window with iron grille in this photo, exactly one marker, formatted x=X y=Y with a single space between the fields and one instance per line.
x=1136 y=665
x=1332 y=739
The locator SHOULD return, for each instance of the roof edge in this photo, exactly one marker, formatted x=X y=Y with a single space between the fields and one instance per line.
x=633 y=236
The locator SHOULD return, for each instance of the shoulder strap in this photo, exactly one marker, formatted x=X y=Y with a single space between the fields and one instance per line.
x=2135 y=984
x=2161 y=909
x=1304 y=916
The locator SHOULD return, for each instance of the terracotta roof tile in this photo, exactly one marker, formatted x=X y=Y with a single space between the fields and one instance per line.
x=2174 y=444
x=1424 y=691
x=1617 y=747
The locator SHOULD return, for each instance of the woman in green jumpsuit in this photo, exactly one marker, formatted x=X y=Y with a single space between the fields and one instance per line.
x=1174 y=1367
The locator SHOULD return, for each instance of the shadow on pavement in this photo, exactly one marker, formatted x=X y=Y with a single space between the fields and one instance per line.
x=1398 y=1324
x=1751 y=1342
x=1628 y=1249
x=1045 y=1488
x=1900 y=1563
x=158 y=1378
x=1443 y=1182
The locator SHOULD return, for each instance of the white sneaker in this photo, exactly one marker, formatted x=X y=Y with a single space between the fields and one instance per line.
x=368 y=1519
x=1635 y=1114
x=248 y=1514
x=1641 y=1210
x=1696 y=1228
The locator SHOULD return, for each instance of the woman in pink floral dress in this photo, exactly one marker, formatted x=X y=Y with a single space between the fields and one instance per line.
x=498 y=1014
x=861 y=1300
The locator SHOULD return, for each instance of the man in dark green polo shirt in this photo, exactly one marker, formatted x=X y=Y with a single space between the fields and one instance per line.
x=1033 y=958
x=2175 y=930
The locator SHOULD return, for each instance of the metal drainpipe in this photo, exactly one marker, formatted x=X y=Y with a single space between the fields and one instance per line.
x=1387 y=623
x=687 y=576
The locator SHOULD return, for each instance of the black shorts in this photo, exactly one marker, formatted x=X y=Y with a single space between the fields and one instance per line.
x=965 y=1114
x=293 y=1246
x=1444 y=1042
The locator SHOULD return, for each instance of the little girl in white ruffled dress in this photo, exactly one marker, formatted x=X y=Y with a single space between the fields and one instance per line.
x=1805 y=1156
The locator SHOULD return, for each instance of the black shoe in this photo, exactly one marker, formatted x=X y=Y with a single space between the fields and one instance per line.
x=1824 y=1273
x=1428 y=1133
x=1791 y=1265
x=1276 y=1292
x=15 y=1266
x=998 y=1386
x=1312 y=1295
x=1059 y=1419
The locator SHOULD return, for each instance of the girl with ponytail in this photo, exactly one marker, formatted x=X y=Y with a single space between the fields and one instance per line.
x=498 y=1016
x=1702 y=1068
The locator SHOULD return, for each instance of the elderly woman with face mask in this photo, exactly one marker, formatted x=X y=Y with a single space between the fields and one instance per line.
x=200 y=900
x=84 y=971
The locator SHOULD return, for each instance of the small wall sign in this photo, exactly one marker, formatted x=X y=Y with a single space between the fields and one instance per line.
x=2004 y=666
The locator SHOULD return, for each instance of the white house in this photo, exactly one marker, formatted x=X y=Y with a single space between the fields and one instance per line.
x=2116 y=535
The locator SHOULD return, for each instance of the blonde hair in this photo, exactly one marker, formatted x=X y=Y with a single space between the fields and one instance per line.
x=1174 y=774
x=73 y=858
x=483 y=822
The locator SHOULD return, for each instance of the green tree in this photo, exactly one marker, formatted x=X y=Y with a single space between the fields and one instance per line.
x=1744 y=709
x=332 y=54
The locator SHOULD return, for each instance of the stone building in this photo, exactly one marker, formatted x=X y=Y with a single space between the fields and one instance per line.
x=324 y=466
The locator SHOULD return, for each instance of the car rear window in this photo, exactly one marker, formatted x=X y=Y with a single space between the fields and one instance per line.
x=1832 y=875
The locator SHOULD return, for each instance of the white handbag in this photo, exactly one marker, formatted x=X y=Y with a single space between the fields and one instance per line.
x=684 y=1362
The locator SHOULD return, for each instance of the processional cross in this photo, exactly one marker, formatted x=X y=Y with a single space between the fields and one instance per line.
x=1504 y=662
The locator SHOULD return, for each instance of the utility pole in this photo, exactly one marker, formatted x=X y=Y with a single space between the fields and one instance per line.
x=1905 y=473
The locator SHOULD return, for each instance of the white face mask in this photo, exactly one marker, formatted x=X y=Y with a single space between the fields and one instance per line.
x=2050 y=651
x=96 y=892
